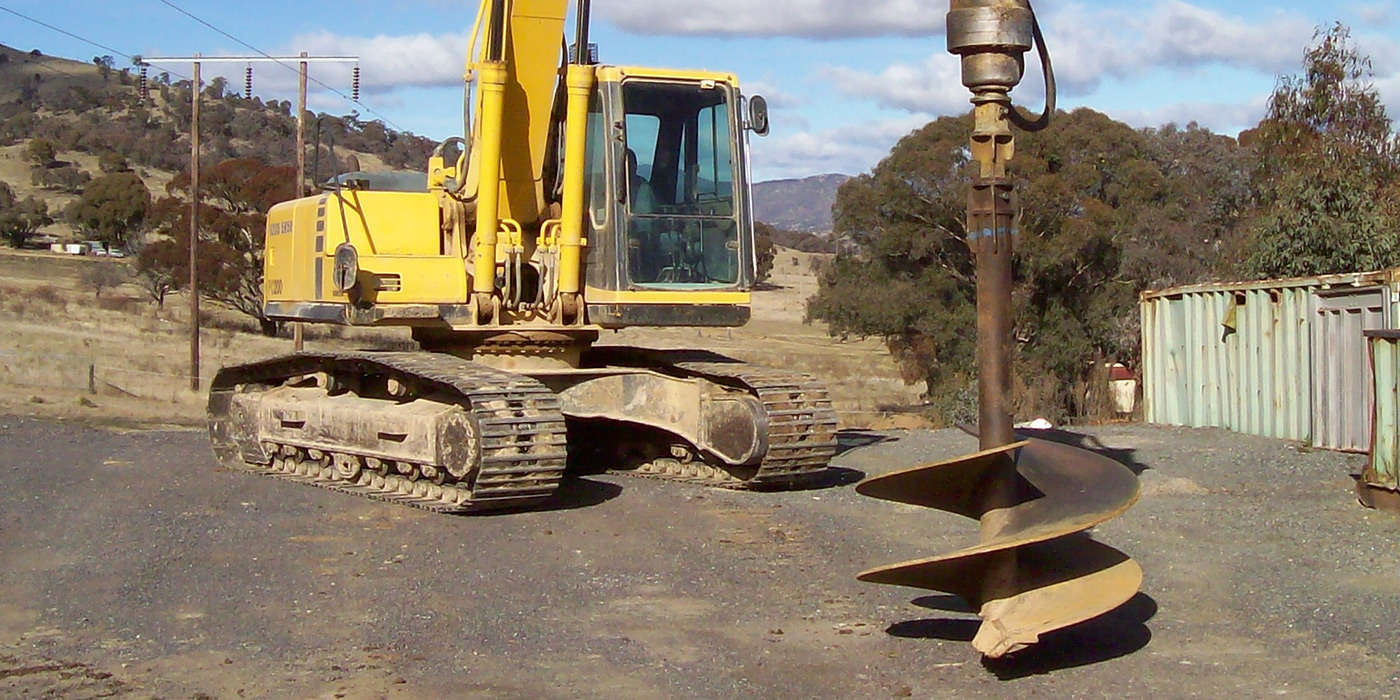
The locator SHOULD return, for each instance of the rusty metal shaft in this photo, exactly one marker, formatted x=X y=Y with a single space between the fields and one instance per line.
x=991 y=37
x=991 y=224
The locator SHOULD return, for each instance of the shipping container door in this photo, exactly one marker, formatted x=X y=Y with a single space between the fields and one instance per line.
x=1342 y=386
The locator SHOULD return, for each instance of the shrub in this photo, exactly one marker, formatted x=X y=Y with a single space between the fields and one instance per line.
x=47 y=294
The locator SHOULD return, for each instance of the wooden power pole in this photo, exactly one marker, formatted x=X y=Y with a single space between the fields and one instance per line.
x=298 y=330
x=196 y=60
x=194 y=231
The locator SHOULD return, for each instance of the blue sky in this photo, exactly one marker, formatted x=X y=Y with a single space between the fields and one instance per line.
x=845 y=78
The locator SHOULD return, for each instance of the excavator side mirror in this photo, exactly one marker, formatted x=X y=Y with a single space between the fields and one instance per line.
x=758 y=115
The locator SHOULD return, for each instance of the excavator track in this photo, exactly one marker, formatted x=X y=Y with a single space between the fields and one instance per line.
x=516 y=445
x=801 y=420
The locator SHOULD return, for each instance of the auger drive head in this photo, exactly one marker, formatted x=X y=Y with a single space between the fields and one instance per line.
x=1033 y=569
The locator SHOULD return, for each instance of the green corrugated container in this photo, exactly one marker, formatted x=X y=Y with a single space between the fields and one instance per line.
x=1380 y=483
x=1277 y=358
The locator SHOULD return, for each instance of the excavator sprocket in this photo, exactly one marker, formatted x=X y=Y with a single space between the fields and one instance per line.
x=1034 y=569
x=801 y=421
x=423 y=429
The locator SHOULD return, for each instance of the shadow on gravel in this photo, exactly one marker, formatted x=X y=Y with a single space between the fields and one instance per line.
x=1117 y=633
x=947 y=629
x=832 y=478
x=946 y=602
x=573 y=493
x=1125 y=456
x=847 y=440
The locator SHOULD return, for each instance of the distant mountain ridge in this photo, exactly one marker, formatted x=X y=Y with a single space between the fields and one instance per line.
x=802 y=204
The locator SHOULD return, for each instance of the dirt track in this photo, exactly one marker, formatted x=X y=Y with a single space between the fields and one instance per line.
x=130 y=567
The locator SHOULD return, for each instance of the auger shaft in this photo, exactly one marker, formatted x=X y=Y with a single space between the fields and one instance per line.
x=1032 y=570
x=991 y=37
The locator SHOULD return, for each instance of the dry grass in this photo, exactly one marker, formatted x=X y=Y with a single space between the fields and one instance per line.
x=863 y=379
x=120 y=360
x=118 y=353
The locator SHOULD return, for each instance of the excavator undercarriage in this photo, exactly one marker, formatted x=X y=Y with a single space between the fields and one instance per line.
x=451 y=435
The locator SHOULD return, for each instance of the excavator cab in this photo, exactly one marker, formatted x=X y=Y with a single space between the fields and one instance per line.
x=668 y=200
x=581 y=197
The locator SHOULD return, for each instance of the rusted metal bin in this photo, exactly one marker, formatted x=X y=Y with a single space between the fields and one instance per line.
x=1278 y=358
x=1380 y=482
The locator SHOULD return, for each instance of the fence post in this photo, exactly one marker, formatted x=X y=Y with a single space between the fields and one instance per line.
x=92 y=379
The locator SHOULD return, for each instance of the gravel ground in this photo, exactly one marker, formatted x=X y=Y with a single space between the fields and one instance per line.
x=131 y=567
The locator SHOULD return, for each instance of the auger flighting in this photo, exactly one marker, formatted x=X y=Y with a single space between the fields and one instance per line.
x=1034 y=569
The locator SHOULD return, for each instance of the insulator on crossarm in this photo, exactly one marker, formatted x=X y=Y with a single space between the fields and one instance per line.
x=355 y=84
x=145 y=86
x=248 y=83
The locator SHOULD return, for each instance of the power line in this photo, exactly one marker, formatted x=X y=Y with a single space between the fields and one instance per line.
x=85 y=40
x=65 y=32
x=44 y=64
x=250 y=47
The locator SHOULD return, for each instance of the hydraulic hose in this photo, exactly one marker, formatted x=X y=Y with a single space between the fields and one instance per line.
x=1048 y=73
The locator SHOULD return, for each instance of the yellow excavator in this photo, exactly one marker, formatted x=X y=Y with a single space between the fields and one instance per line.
x=584 y=198
x=587 y=197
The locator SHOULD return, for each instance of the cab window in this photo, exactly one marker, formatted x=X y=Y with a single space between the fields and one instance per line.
x=682 y=225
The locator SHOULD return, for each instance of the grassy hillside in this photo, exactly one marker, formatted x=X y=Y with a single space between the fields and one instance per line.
x=92 y=113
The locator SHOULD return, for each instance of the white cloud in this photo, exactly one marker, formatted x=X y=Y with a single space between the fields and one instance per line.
x=1220 y=118
x=818 y=19
x=1089 y=46
x=1389 y=90
x=849 y=149
x=416 y=60
x=386 y=64
x=777 y=97
x=1175 y=35
x=1181 y=34
x=1374 y=13
x=1383 y=52
x=933 y=86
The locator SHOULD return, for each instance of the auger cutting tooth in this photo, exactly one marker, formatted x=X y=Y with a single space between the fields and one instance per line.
x=1034 y=568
